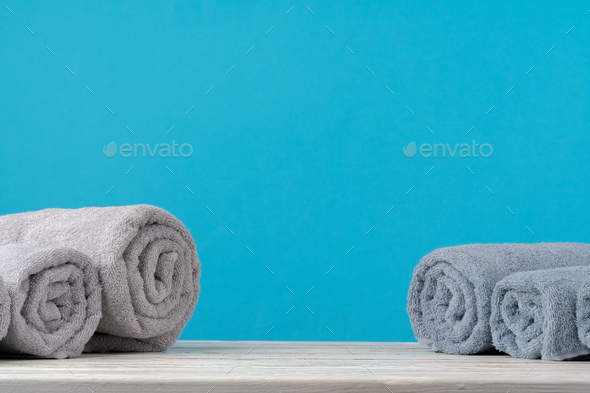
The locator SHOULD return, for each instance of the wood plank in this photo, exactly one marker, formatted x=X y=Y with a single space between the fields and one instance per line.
x=264 y=366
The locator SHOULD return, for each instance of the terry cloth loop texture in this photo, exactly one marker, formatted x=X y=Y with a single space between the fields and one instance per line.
x=449 y=300
x=55 y=300
x=147 y=261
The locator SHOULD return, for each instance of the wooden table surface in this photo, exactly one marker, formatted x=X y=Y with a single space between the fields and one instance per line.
x=267 y=366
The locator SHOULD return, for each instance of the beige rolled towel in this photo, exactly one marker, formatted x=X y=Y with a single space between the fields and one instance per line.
x=147 y=262
x=55 y=300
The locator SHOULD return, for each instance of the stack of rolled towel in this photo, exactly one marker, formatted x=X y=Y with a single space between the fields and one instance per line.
x=528 y=300
x=96 y=279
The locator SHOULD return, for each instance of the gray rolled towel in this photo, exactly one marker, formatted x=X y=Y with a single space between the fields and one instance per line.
x=583 y=310
x=55 y=300
x=4 y=309
x=449 y=300
x=534 y=313
x=147 y=262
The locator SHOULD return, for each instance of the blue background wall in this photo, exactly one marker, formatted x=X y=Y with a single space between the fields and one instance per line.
x=298 y=149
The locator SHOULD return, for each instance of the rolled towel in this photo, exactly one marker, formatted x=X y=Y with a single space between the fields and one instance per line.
x=449 y=300
x=534 y=313
x=55 y=301
x=583 y=309
x=4 y=309
x=147 y=261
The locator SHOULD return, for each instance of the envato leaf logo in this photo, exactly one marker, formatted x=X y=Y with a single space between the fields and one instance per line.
x=110 y=150
x=163 y=150
x=410 y=150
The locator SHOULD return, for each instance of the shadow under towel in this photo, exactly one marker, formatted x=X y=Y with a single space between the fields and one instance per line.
x=147 y=261
x=449 y=300
x=534 y=313
x=55 y=300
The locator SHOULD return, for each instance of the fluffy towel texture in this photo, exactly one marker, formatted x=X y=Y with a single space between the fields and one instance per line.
x=449 y=301
x=4 y=309
x=583 y=310
x=147 y=261
x=534 y=314
x=55 y=300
